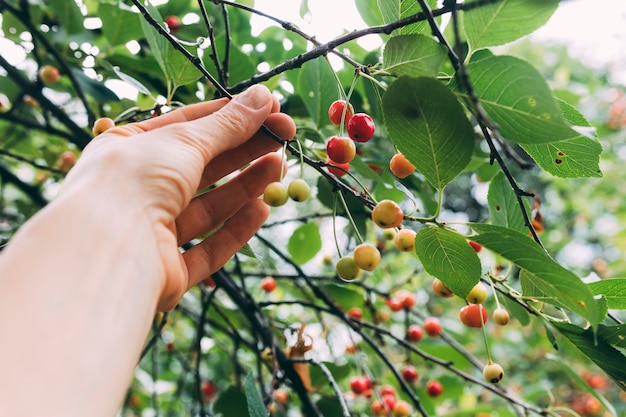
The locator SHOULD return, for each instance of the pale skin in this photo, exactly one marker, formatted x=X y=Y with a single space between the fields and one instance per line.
x=80 y=283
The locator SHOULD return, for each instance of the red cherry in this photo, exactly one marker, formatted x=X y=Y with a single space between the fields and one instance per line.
x=394 y=304
x=414 y=333
x=340 y=149
x=341 y=169
x=387 y=390
x=281 y=396
x=408 y=300
x=432 y=326
x=470 y=315
x=355 y=313
x=476 y=246
x=208 y=390
x=361 y=127
x=360 y=384
x=335 y=112
x=434 y=388
x=268 y=284
x=410 y=374
x=173 y=23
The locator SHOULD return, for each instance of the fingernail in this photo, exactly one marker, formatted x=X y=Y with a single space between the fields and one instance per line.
x=254 y=97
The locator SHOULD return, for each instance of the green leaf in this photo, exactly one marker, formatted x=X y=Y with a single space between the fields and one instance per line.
x=94 y=88
x=304 y=243
x=571 y=158
x=69 y=15
x=256 y=408
x=339 y=372
x=318 y=88
x=447 y=256
x=428 y=125
x=497 y=22
x=413 y=55
x=614 y=290
x=231 y=402
x=503 y=207
x=393 y=10
x=553 y=283
x=597 y=349
x=178 y=69
x=346 y=296
x=614 y=335
x=518 y=99
x=119 y=23
x=370 y=12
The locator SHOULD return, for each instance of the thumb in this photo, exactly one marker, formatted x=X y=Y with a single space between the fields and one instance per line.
x=229 y=127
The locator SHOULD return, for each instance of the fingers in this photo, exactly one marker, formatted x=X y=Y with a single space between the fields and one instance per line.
x=260 y=144
x=227 y=128
x=207 y=257
x=209 y=210
x=184 y=114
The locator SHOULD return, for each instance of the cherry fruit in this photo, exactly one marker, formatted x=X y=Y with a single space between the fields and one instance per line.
x=355 y=313
x=478 y=294
x=434 y=388
x=49 y=74
x=409 y=374
x=400 y=166
x=501 y=316
x=404 y=240
x=275 y=194
x=347 y=269
x=102 y=125
x=440 y=289
x=366 y=256
x=268 y=284
x=337 y=169
x=401 y=409
x=298 y=190
x=387 y=214
x=361 y=127
x=476 y=246
x=173 y=23
x=340 y=149
x=414 y=333
x=432 y=326
x=493 y=373
x=336 y=112
x=470 y=315
x=394 y=304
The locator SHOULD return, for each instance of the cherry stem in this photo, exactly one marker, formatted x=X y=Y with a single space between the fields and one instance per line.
x=300 y=157
x=482 y=326
x=282 y=161
x=335 y=225
x=493 y=289
x=349 y=215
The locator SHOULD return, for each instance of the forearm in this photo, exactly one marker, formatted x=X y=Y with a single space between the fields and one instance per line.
x=65 y=270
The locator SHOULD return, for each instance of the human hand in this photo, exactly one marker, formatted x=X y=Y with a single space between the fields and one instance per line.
x=155 y=168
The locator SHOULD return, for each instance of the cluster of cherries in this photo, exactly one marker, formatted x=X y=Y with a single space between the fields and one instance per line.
x=475 y=315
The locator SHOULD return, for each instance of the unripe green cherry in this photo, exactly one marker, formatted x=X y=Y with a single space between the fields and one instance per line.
x=347 y=269
x=493 y=373
x=275 y=194
x=299 y=190
x=501 y=316
x=404 y=240
x=366 y=256
x=478 y=294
